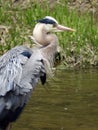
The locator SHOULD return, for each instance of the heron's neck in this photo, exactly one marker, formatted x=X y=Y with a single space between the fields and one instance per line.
x=48 y=41
x=49 y=51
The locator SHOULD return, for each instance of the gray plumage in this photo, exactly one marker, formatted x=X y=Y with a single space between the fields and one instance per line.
x=20 y=70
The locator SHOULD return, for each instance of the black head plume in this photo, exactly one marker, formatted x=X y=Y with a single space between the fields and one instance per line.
x=48 y=20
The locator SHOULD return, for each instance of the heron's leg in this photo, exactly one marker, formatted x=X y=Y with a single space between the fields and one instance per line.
x=9 y=126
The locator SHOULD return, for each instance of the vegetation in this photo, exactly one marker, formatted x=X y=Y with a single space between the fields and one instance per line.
x=17 y=19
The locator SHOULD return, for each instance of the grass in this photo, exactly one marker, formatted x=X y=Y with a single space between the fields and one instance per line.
x=79 y=48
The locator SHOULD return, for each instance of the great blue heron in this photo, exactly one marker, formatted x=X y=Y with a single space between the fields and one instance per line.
x=21 y=68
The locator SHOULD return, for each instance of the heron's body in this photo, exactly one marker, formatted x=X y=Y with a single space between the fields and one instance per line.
x=21 y=68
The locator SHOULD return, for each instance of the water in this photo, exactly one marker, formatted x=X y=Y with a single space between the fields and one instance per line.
x=69 y=102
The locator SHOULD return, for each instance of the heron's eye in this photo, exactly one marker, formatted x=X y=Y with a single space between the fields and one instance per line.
x=55 y=24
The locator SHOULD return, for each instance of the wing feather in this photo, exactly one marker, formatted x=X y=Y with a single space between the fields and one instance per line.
x=11 y=64
x=20 y=70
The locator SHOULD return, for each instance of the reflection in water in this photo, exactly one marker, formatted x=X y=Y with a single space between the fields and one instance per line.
x=70 y=102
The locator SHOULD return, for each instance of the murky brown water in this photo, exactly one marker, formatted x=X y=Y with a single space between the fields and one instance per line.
x=70 y=102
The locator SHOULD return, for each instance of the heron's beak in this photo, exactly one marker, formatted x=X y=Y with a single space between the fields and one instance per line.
x=60 y=28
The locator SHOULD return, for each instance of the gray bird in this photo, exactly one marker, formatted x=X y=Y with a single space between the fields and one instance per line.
x=21 y=68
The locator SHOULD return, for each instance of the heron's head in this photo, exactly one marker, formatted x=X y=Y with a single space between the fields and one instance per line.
x=47 y=26
x=52 y=25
